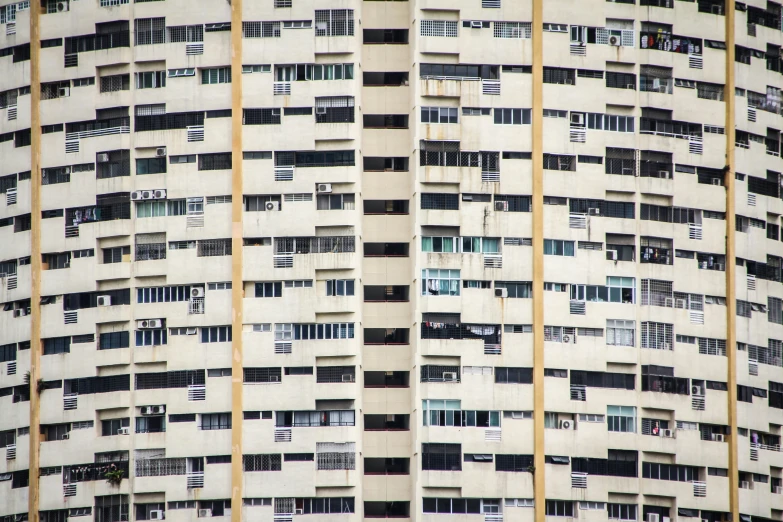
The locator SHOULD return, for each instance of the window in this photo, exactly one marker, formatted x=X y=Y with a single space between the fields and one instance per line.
x=261 y=375
x=149 y=31
x=658 y=336
x=443 y=28
x=114 y=255
x=440 y=115
x=558 y=247
x=216 y=421
x=112 y=340
x=618 y=80
x=621 y=511
x=560 y=76
x=512 y=117
x=217 y=75
x=620 y=332
x=441 y=457
x=151 y=166
x=114 y=83
x=516 y=290
x=151 y=80
x=676 y=472
x=269 y=289
x=252 y=463
x=514 y=375
x=621 y=418
x=590 y=417
x=432 y=201
x=440 y=282
x=176 y=73
x=514 y=463
x=249 y=69
x=337 y=287
x=55 y=345
x=153 y=424
x=215 y=334
x=156 y=337
x=335 y=202
x=559 y=508
x=334 y=22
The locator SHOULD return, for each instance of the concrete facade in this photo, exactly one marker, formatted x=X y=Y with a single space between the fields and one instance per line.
x=391 y=259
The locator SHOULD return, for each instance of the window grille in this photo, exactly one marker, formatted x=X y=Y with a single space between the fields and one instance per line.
x=261 y=117
x=159 y=467
x=261 y=375
x=658 y=336
x=117 y=82
x=214 y=247
x=149 y=31
x=437 y=373
x=443 y=457
x=262 y=462
x=656 y=292
x=334 y=22
x=443 y=28
x=261 y=29
x=512 y=30
x=335 y=374
x=334 y=455
x=218 y=161
x=185 y=33
x=336 y=109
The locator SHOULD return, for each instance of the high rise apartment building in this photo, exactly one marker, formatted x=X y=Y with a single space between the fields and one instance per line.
x=475 y=260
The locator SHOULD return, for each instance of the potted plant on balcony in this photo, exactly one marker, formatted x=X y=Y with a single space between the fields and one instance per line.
x=113 y=475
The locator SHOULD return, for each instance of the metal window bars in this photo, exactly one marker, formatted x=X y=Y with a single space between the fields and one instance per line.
x=315 y=245
x=160 y=467
x=334 y=22
x=214 y=247
x=261 y=29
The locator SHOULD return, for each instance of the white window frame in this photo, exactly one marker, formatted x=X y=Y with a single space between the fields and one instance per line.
x=620 y=332
x=178 y=73
x=433 y=278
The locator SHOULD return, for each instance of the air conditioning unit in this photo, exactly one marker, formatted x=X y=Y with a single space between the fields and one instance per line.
x=614 y=40
x=274 y=378
x=123 y=431
x=146 y=410
x=299 y=511
x=136 y=195
x=62 y=92
x=449 y=376
x=272 y=205
x=103 y=157
x=653 y=517
x=324 y=188
x=104 y=300
x=65 y=436
x=159 y=410
x=204 y=512
x=569 y=81
x=666 y=346
x=149 y=323
x=718 y=437
x=716 y=181
x=159 y=194
x=197 y=291
x=745 y=484
x=578 y=118
x=611 y=255
x=663 y=174
x=320 y=110
x=156 y=514
x=320 y=26
x=696 y=390
x=347 y=377
x=501 y=292
x=62 y=7
x=566 y=424
x=593 y=211
x=160 y=152
x=147 y=194
x=501 y=206
x=667 y=433
x=476 y=24
x=778 y=490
